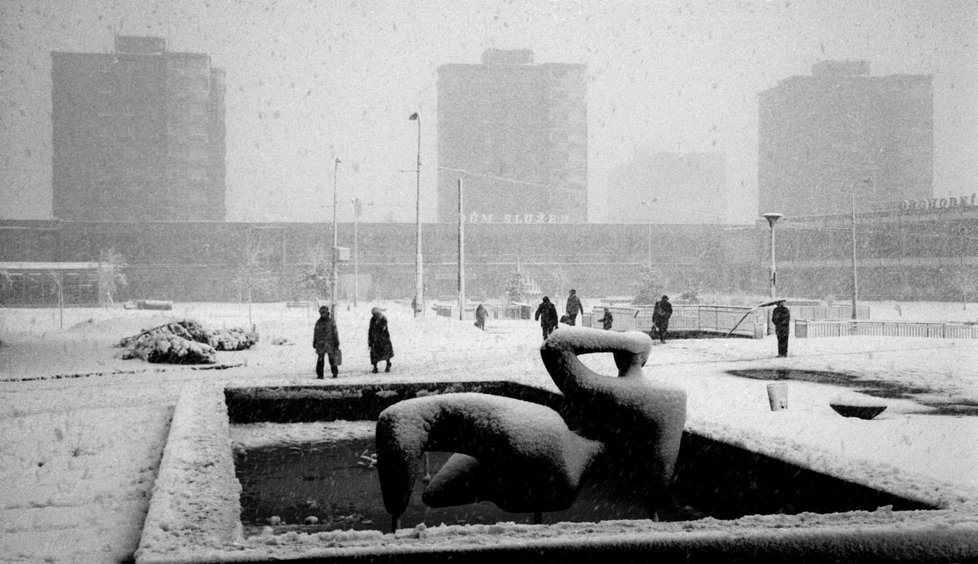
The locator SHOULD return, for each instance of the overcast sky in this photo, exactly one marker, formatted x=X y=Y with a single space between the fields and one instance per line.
x=311 y=80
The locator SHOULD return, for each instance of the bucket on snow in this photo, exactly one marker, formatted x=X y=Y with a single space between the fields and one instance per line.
x=777 y=396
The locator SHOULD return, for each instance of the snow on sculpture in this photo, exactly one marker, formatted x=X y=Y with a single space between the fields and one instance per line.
x=525 y=457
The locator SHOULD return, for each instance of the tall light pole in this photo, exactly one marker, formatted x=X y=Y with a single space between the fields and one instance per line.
x=461 y=254
x=773 y=218
x=648 y=203
x=332 y=286
x=855 y=284
x=419 y=280
x=356 y=258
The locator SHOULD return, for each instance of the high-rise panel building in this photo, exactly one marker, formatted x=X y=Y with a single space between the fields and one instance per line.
x=137 y=134
x=515 y=133
x=819 y=134
x=677 y=188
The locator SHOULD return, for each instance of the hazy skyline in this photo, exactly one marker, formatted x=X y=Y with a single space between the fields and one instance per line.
x=309 y=81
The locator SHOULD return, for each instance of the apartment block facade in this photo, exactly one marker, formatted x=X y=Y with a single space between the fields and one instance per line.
x=515 y=133
x=841 y=133
x=138 y=134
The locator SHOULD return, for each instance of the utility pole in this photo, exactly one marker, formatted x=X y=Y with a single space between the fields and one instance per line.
x=855 y=282
x=333 y=281
x=356 y=257
x=461 y=255
x=419 y=277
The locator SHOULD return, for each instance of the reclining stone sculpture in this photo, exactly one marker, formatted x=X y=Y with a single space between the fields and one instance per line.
x=525 y=457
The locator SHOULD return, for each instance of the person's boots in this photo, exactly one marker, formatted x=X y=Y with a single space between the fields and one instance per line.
x=374 y=371
x=336 y=372
x=388 y=369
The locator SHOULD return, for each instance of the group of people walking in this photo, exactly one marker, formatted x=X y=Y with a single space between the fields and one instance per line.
x=547 y=315
x=326 y=338
x=326 y=341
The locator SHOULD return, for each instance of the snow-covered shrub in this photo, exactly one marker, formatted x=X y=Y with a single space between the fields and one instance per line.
x=185 y=342
x=170 y=349
x=235 y=339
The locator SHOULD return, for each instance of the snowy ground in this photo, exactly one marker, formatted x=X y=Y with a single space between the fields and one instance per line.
x=83 y=431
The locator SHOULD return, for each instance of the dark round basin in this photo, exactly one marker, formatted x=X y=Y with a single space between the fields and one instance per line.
x=860 y=411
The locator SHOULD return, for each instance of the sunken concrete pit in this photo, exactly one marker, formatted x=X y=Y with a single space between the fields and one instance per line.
x=733 y=503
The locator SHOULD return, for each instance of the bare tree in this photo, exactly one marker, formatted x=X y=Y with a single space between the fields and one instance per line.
x=110 y=275
x=516 y=288
x=6 y=283
x=57 y=277
x=650 y=285
x=965 y=280
x=561 y=279
x=318 y=278
x=253 y=276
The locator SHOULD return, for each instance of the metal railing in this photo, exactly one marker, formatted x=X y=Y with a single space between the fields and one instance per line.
x=510 y=311
x=817 y=312
x=809 y=328
x=709 y=318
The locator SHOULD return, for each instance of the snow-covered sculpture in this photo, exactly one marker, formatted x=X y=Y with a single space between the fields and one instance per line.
x=525 y=457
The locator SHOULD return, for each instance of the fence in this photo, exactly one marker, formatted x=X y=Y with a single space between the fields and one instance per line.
x=806 y=328
x=511 y=311
x=818 y=312
x=709 y=318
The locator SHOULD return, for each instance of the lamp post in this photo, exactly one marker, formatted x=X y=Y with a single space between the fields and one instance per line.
x=356 y=258
x=773 y=218
x=648 y=203
x=855 y=283
x=461 y=254
x=332 y=285
x=419 y=280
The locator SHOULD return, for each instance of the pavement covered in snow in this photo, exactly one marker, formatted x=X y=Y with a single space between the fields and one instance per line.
x=83 y=431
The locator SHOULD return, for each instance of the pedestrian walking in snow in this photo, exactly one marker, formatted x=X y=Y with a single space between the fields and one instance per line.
x=660 y=317
x=781 y=318
x=607 y=320
x=326 y=341
x=480 y=317
x=379 y=340
x=547 y=314
x=574 y=307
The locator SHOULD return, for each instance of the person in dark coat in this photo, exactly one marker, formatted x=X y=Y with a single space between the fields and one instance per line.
x=660 y=317
x=480 y=317
x=574 y=307
x=547 y=314
x=781 y=318
x=326 y=341
x=607 y=320
x=379 y=340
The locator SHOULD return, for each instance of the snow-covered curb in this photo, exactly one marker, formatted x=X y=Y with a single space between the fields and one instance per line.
x=195 y=503
x=194 y=516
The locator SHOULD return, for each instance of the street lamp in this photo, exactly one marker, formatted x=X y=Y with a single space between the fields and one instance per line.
x=773 y=218
x=332 y=286
x=648 y=203
x=419 y=280
x=356 y=258
x=855 y=285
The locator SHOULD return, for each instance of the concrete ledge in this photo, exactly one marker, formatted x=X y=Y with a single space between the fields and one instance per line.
x=194 y=516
